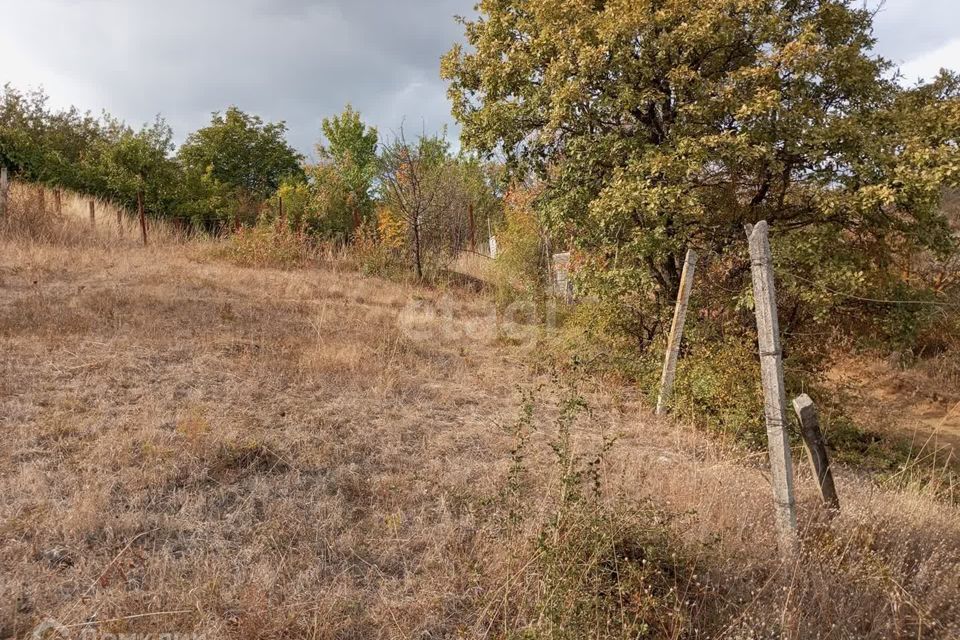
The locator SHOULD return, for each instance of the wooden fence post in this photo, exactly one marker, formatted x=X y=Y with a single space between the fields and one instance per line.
x=816 y=450
x=4 y=190
x=58 y=201
x=472 y=228
x=676 y=332
x=774 y=394
x=143 y=219
x=93 y=215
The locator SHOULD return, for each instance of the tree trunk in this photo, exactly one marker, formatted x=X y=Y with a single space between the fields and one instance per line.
x=664 y=273
x=672 y=275
x=418 y=263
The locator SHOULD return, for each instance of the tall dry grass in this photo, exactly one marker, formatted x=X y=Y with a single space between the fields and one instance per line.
x=33 y=217
x=193 y=447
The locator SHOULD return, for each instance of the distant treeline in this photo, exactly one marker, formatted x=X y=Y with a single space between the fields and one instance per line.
x=239 y=168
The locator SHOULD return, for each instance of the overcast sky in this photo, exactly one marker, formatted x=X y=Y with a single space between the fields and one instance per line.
x=301 y=60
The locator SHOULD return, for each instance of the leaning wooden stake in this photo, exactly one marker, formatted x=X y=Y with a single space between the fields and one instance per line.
x=4 y=190
x=93 y=215
x=143 y=218
x=676 y=332
x=816 y=450
x=774 y=395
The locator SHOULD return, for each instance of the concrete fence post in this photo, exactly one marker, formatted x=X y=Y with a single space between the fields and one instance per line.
x=816 y=450
x=561 y=284
x=774 y=393
x=676 y=332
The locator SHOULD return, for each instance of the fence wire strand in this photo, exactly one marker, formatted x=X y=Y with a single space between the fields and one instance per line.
x=709 y=254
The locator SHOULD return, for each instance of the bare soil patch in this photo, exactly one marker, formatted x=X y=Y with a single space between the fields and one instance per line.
x=907 y=403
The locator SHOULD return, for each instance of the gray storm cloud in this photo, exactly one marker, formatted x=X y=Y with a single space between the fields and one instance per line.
x=906 y=29
x=292 y=60
x=289 y=60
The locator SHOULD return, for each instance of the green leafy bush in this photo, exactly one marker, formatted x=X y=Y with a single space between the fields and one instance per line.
x=519 y=269
x=375 y=257
x=267 y=245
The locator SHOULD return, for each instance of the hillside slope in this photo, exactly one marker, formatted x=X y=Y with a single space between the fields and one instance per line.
x=190 y=447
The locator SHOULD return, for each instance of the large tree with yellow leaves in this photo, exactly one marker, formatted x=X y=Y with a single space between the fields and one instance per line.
x=661 y=124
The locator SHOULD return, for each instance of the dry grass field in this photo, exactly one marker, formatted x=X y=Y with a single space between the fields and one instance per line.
x=190 y=447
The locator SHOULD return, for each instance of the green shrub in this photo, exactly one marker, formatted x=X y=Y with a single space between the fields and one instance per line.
x=519 y=270
x=374 y=257
x=267 y=245
x=718 y=388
